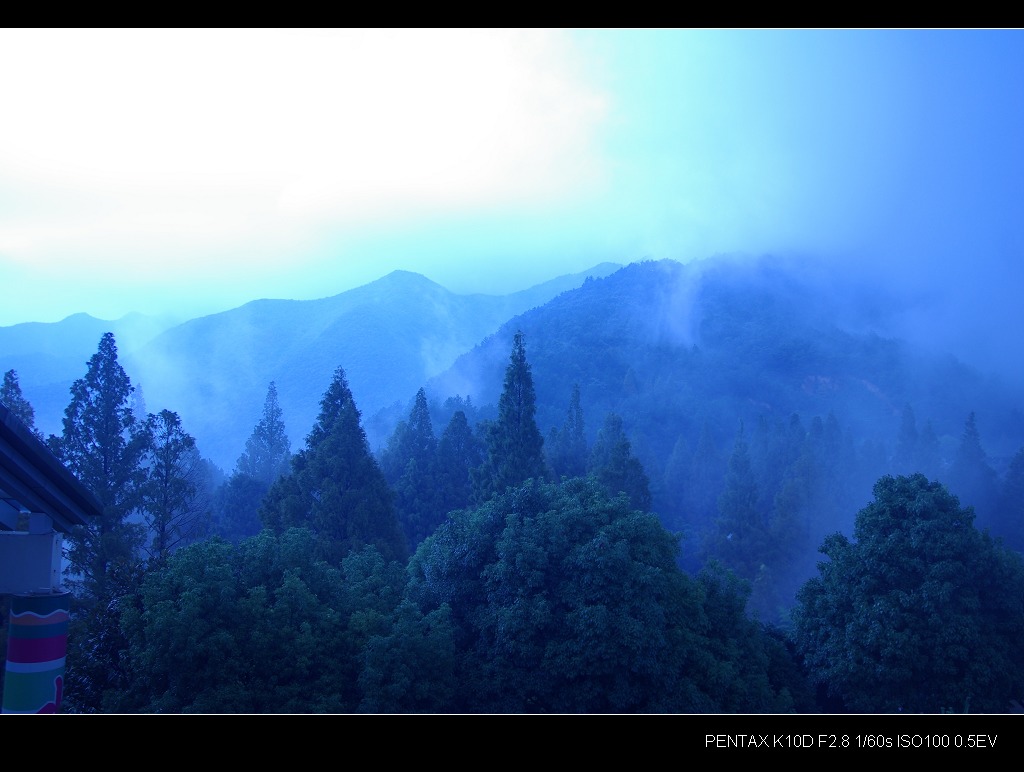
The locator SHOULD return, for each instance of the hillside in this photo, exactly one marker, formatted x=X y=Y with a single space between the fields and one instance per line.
x=389 y=335
x=691 y=355
x=730 y=342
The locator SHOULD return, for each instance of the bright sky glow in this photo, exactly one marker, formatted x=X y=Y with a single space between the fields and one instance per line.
x=189 y=171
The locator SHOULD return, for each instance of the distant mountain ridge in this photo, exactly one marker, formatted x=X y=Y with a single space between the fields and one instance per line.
x=742 y=339
x=49 y=356
x=390 y=336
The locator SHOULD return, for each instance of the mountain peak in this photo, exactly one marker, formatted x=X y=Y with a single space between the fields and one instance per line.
x=399 y=275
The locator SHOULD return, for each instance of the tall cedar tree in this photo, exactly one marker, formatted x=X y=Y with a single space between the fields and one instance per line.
x=905 y=460
x=236 y=506
x=704 y=481
x=268 y=449
x=410 y=466
x=613 y=464
x=740 y=537
x=568 y=447
x=10 y=395
x=971 y=477
x=515 y=447
x=267 y=456
x=103 y=445
x=412 y=439
x=174 y=495
x=459 y=452
x=335 y=487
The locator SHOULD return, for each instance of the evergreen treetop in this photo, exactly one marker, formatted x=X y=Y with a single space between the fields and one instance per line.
x=568 y=446
x=336 y=487
x=515 y=447
x=10 y=395
x=268 y=449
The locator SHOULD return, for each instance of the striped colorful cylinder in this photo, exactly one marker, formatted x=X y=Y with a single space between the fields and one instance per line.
x=37 y=641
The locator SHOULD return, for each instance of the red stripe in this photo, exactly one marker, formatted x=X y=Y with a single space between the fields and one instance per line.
x=25 y=650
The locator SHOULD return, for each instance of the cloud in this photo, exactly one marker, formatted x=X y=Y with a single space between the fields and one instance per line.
x=199 y=169
x=332 y=118
x=152 y=153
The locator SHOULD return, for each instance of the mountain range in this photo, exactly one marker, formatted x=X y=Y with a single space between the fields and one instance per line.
x=390 y=336
x=669 y=347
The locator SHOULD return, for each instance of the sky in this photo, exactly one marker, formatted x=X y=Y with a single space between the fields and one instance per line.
x=188 y=171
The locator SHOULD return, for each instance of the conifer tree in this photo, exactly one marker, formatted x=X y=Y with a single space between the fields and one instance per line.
x=236 y=506
x=971 y=477
x=613 y=464
x=412 y=439
x=773 y=449
x=568 y=446
x=103 y=444
x=905 y=460
x=421 y=429
x=10 y=395
x=459 y=451
x=740 y=538
x=677 y=465
x=335 y=487
x=174 y=494
x=395 y=453
x=268 y=449
x=515 y=447
x=412 y=457
x=1012 y=503
x=704 y=480
x=267 y=456
x=928 y=451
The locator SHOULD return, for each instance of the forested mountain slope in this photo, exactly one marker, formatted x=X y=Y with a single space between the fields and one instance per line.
x=389 y=335
x=670 y=346
x=701 y=358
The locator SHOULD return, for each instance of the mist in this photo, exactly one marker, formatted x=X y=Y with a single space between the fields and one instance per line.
x=492 y=161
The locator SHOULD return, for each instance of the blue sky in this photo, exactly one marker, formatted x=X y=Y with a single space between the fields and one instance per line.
x=189 y=171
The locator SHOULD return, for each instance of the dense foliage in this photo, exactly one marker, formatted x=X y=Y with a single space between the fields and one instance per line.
x=261 y=627
x=560 y=598
x=920 y=613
